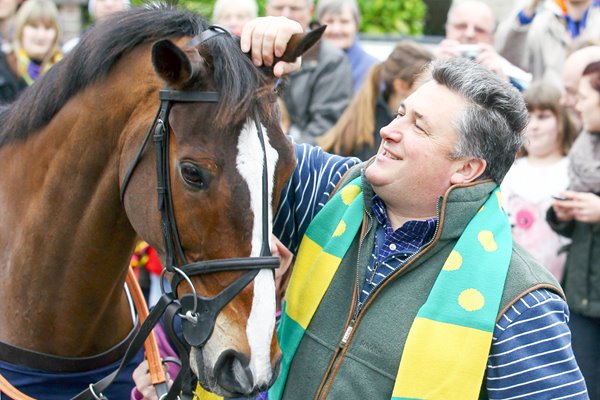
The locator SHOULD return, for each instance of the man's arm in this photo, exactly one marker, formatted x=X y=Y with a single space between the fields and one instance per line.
x=531 y=355
x=315 y=176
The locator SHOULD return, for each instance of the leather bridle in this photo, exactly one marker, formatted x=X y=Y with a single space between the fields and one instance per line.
x=198 y=313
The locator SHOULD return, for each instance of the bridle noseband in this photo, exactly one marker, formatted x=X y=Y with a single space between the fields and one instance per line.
x=199 y=313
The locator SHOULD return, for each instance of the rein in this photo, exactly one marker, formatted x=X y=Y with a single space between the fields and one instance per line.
x=152 y=353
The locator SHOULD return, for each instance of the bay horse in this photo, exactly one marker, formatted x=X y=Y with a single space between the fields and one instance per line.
x=72 y=206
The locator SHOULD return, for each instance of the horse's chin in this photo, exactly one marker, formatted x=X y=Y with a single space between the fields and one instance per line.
x=207 y=379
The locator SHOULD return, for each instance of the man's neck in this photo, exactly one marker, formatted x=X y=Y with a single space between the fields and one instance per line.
x=397 y=219
x=576 y=9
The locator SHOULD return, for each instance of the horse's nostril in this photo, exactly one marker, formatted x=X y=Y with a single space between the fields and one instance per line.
x=232 y=373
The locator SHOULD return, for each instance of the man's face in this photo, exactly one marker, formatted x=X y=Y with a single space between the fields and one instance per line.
x=413 y=165
x=104 y=8
x=570 y=76
x=7 y=8
x=471 y=23
x=297 y=10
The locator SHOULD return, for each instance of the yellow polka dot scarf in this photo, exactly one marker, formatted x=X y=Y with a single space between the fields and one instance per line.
x=449 y=341
x=446 y=351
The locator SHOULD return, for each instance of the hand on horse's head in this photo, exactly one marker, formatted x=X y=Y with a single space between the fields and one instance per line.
x=267 y=40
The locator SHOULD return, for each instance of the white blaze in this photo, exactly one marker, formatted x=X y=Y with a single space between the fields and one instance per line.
x=261 y=321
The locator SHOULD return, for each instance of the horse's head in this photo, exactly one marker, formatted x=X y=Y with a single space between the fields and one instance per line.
x=221 y=125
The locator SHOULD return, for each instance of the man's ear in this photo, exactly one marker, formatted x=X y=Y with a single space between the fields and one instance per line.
x=469 y=171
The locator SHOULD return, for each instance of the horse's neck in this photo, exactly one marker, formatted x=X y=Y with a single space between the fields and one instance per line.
x=66 y=241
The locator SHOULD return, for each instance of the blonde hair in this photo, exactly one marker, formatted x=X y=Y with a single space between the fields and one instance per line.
x=356 y=126
x=32 y=12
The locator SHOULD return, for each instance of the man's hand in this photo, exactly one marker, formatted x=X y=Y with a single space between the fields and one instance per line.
x=530 y=9
x=267 y=38
x=490 y=59
x=448 y=48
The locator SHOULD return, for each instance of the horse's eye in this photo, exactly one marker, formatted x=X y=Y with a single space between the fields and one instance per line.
x=194 y=176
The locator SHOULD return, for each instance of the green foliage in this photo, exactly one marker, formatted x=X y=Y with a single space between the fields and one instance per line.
x=396 y=17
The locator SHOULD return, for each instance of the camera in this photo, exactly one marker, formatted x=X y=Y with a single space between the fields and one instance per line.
x=470 y=51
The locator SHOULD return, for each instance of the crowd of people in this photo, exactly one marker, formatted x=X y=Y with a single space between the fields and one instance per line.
x=423 y=139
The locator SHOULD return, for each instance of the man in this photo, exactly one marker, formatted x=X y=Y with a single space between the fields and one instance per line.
x=470 y=28
x=315 y=96
x=407 y=284
x=571 y=74
x=537 y=37
x=371 y=307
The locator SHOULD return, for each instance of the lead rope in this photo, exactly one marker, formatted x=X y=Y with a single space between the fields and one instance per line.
x=157 y=373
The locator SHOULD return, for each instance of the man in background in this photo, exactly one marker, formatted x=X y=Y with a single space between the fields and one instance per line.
x=317 y=94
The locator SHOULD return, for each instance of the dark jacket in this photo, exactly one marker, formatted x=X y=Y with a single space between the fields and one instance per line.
x=317 y=95
x=10 y=84
x=581 y=280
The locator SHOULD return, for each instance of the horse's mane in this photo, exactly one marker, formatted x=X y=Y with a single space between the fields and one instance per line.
x=101 y=48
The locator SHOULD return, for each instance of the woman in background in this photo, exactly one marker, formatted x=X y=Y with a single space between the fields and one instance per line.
x=578 y=217
x=387 y=84
x=342 y=18
x=36 y=39
x=526 y=190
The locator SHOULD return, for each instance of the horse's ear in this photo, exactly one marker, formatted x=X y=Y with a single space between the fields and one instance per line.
x=171 y=63
x=300 y=42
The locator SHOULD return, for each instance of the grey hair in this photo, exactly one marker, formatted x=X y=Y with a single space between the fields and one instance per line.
x=336 y=7
x=250 y=5
x=466 y=4
x=491 y=127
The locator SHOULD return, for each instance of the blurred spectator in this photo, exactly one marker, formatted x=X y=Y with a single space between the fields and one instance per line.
x=571 y=74
x=36 y=39
x=578 y=217
x=146 y=263
x=233 y=14
x=375 y=105
x=526 y=189
x=10 y=84
x=98 y=9
x=317 y=95
x=470 y=28
x=536 y=39
x=342 y=18
x=8 y=8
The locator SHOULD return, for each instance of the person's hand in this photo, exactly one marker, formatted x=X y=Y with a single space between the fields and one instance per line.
x=581 y=206
x=530 y=9
x=447 y=48
x=278 y=249
x=143 y=383
x=490 y=59
x=266 y=38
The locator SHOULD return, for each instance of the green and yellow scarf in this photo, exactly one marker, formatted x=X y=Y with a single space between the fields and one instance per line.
x=449 y=341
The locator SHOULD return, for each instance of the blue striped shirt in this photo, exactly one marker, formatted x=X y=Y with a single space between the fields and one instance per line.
x=530 y=356
x=392 y=247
